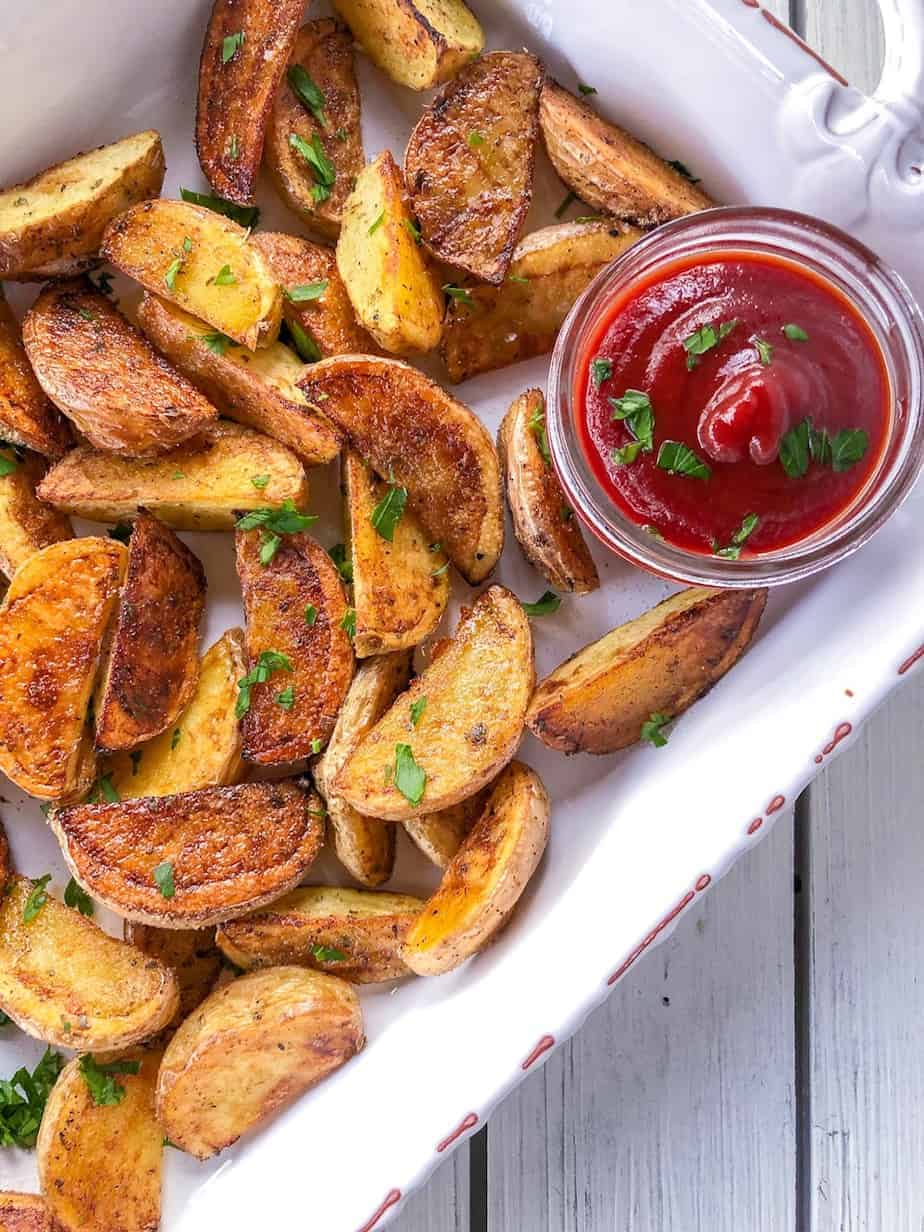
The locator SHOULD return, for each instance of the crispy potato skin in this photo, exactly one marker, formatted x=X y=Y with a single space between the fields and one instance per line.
x=659 y=663
x=608 y=168
x=202 y=485
x=324 y=49
x=521 y=319
x=418 y=43
x=61 y=971
x=207 y=751
x=26 y=524
x=146 y=242
x=400 y=587
x=477 y=692
x=20 y=1212
x=275 y=598
x=485 y=879
x=27 y=418
x=440 y=835
x=232 y=849
x=153 y=661
x=406 y=426
x=190 y=953
x=364 y=926
x=52 y=622
x=471 y=200
x=100 y=1166
x=107 y=379
x=236 y=96
x=545 y=526
x=251 y=1048
x=51 y=225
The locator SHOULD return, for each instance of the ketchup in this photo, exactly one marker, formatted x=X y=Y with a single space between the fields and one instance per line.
x=733 y=403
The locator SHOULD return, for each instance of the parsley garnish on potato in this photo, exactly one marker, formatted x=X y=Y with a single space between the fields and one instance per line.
x=23 y=1098
x=101 y=1081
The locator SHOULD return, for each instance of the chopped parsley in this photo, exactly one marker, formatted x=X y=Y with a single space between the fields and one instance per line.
x=459 y=294
x=653 y=730
x=177 y=263
x=704 y=339
x=795 y=333
x=37 y=899
x=848 y=447
x=417 y=709
x=585 y=89
x=23 y=1098
x=305 y=344
x=7 y=465
x=412 y=229
x=103 y=282
x=636 y=412
x=409 y=778
x=348 y=623
x=244 y=215
x=565 y=205
x=321 y=166
x=86 y=314
x=230 y=45
x=474 y=140
x=625 y=455
x=684 y=170
x=273 y=524
x=805 y=443
x=121 y=531
x=286 y=699
x=600 y=370
x=76 y=896
x=306 y=291
x=549 y=603
x=101 y=1081
x=317 y=745
x=311 y=614
x=216 y=342
x=764 y=350
x=259 y=481
x=163 y=879
x=378 y=222
x=224 y=277
x=344 y=565
x=327 y=953
x=536 y=425
x=175 y=738
x=678 y=459
x=269 y=661
x=388 y=512
x=733 y=551
x=308 y=93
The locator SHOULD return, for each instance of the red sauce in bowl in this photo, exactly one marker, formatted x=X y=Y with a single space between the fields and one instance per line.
x=733 y=402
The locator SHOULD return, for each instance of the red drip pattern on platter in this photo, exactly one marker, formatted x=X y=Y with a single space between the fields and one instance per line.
x=547 y=1042
x=393 y=1197
x=841 y=732
x=701 y=883
x=469 y=1123
x=790 y=33
x=755 y=825
x=848 y=693
x=911 y=661
x=775 y=805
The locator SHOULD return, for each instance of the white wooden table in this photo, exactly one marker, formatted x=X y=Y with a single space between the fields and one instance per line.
x=763 y=1070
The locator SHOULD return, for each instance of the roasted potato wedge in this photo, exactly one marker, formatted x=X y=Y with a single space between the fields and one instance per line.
x=203 y=485
x=521 y=319
x=469 y=163
x=52 y=224
x=416 y=435
x=190 y=953
x=247 y=45
x=418 y=43
x=659 y=663
x=250 y=1048
x=400 y=584
x=100 y=1165
x=6 y=865
x=328 y=319
x=476 y=694
x=365 y=846
x=394 y=293
x=485 y=879
x=256 y=388
x=222 y=851
x=65 y=981
x=152 y=665
x=52 y=622
x=440 y=835
x=203 y=747
x=544 y=524
x=200 y=261
x=323 y=50
x=26 y=524
x=20 y=1212
x=105 y=376
x=355 y=934
x=27 y=418
x=608 y=168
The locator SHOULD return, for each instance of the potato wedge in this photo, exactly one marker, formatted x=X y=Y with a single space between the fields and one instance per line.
x=365 y=846
x=223 y=851
x=247 y=45
x=100 y=1165
x=203 y=485
x=417 y=435
x=27 y=418
x=20 y=1212
x=394 y=293
x=256 y=388
x=440 y=835
x=659 y=663
x=355 y=934
x=105 y=376
x=52 y=622
x=26 y=524
x=53 y=223
x=250 y=1048
x=400 y=584
x=485 y=879
x=329 y=320
x=190 y=953
x=152 y=665
x=610 y=169
x=418 y=43
x=178 y=251
x=476 y=693
x=291 y=714
x=521 y=319
x=207 y=750
x=323 y=50
x=6 y=864
x=543 y=522
x=469 y=163
x=65 y=981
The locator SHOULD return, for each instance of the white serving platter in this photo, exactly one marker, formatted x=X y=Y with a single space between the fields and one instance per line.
x=636 y=838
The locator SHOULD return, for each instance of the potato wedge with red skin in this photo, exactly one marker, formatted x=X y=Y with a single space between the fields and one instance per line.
x=152 y=665
x=104 y=375
x=659 y=663
x=469 y=163
x=486 y=877
x=415 y=434
x=544 y=523
x=27 y=417
x=324 y=50
x=26 y=524
x=440 y=835
x=610 y=169
x=190 y=953
x=418 y=43
x=247 y=45
x=21 y=1212
x=250 y=1048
